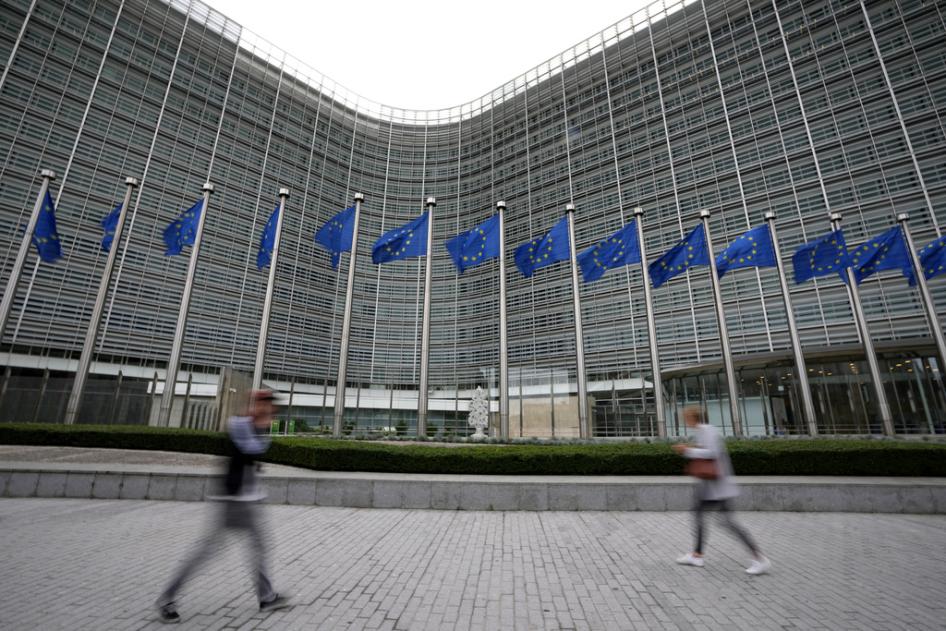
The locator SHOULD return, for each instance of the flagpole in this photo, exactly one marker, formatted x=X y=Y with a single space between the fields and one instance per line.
x=861 y=323
x=92 y=333
x=503 y=339
x=425 y=331
x=268 y=302
x=174 y=361
x=10 y=292
x=584 y=424
x=723 y=330
x=346 y=324
x=935 y=328
x=657 y=380
x=800 y=367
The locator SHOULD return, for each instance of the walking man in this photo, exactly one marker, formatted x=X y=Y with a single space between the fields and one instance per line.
x=715 y=487
x=249 y=438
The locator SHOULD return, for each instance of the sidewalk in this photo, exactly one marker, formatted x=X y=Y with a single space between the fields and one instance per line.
x=57 y=472
x=98 y=565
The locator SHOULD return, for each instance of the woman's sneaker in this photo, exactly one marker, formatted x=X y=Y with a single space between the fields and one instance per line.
x=690 y=559
x=759 y=566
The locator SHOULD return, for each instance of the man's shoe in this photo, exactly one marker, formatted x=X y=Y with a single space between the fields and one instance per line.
x=276 y=602
x=690 y=559
x=759 y=566
x=168 y=613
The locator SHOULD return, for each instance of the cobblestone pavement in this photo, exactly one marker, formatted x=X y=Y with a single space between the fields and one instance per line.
x=92 y=564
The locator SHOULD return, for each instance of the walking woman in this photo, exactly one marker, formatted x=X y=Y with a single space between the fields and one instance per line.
x=715 y=487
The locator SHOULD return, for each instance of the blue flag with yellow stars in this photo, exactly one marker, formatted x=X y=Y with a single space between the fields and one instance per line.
x=883 y=252
x=110 y=225
x=337 y=233
x=545 y=250
x=681 y=257
x=753 y=248
x=268 y=241
x=617 y=250
x=45 y=237
x=408 y=241
x=183 y=230
x=932 y=259
x=823 y=256
x=475 y=246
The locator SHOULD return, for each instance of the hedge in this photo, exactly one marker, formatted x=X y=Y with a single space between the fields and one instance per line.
x=818 y=456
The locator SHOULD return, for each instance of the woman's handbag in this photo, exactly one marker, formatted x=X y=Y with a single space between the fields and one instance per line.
x=702 y=468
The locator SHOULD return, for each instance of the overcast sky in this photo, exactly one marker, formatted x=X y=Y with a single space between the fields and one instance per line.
x=424 y=54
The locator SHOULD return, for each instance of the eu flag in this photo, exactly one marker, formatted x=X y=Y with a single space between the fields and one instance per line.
x=45 y=237
x=681 y=257
x=932 y=259
x=110 y=225
x=268 y=241
x=618 y=250
x=408 y=241
x=183 y=230
x=337 y=233
x=475 y=246
x=825 y=255
x=545 y=250
x=885 y=251
x=752 y=249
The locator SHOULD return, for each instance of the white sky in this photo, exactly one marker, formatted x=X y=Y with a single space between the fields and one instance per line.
x=425 y=54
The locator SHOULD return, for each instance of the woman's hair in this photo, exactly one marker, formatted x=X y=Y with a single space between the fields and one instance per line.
x=695 y=411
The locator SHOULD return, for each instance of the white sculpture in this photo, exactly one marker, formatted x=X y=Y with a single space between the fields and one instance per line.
x=479 y=414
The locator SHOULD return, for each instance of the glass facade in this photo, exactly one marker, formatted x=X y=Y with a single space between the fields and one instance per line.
x=730 y=106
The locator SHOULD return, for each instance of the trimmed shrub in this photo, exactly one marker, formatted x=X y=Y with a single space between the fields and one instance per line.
x=819 y=456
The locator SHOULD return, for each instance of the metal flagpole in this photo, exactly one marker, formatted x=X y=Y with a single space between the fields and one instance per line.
x=268 y=302
x=935 y=328
x=651 y=329
x=92 y=333
x=346 y=324
x=800 y=367
x=425 y=331
x=723 y=332
x=10 y=292
x=584 y=423
x=861 y=323
x=503 y=339
x=174 y=362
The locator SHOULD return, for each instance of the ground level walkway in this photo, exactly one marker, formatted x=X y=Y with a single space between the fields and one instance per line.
x=99 y=564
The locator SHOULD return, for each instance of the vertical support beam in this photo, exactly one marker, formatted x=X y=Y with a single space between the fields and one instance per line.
x=584 y=423
x=425 y=330
x=268 y=302
x=723 y=331
x=861 y=321
x=292 y=392
x=651 y=329
x=174 y=362
x=6 y=304
x=346 y=324
x=801 y=368
x=503 y=337
x=42 y=395
x=187 y=399
x=92 y=333
x=935 y=329
x=116 y=396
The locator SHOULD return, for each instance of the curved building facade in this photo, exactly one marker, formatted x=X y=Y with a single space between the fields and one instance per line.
x=729 y=106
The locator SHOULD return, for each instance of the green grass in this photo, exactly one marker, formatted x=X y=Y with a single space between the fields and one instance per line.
x=819 y=456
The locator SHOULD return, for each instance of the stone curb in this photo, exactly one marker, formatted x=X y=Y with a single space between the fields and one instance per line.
x=890 y=495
